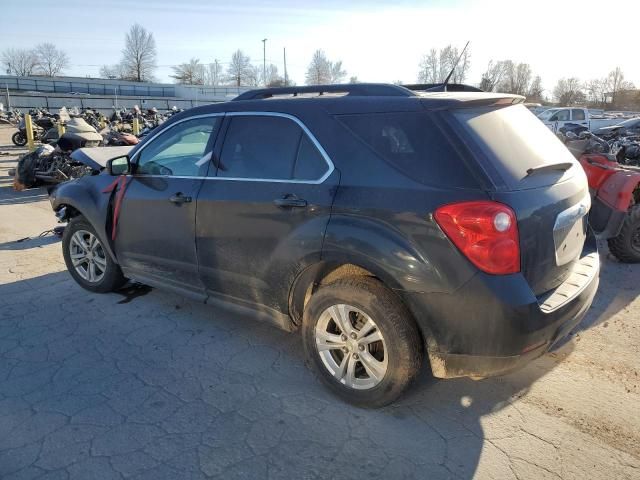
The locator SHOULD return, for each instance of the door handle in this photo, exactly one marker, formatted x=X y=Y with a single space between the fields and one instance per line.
x=179 y=198
x=290 y=201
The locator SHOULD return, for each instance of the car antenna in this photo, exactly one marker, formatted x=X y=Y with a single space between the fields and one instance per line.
x=443 y=86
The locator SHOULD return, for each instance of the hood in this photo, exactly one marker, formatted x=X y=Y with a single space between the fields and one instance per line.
x=610 y=128
x=97 y=157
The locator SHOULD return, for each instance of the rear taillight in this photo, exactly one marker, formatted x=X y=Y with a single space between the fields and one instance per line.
x=485 y=232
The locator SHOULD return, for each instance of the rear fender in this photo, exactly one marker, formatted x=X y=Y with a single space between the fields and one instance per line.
x=617 y=191
x=85 y=196
x=396 y=257
x=598 y=168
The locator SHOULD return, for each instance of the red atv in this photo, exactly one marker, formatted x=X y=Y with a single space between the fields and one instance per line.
x=615 y=194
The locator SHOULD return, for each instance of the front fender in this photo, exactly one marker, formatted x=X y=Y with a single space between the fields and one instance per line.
x=85 y=195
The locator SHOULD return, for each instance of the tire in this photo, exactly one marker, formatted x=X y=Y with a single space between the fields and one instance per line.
x=626 y=246
x=19 y=139
x=107 y=276
x=399 y=353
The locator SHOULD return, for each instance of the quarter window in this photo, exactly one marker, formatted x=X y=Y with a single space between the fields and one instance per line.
x=269 y=148
x=180 y=150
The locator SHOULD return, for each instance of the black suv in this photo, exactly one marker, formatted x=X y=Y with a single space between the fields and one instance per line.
x=382 y=223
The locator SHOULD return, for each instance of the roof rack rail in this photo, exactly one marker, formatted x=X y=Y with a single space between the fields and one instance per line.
x=350 y=89
x=438 y=87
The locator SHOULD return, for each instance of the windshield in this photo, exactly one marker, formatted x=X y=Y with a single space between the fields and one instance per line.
x=547 y=113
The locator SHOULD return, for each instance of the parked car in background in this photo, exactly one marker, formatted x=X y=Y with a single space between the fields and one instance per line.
x=556 y=118
x=629 y=127
x=380 y=223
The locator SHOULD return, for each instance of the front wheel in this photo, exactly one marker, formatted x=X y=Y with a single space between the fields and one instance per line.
x=361 y=341
x=86 y=259
x=19 y=139
x=626 y=246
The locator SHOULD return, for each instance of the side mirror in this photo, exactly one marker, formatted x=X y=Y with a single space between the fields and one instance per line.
x=119 y=166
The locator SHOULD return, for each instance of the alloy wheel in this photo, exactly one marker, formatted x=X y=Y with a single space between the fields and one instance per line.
x=88 y=256
x=351 y=347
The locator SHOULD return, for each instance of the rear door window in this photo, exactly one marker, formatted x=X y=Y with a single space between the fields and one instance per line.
x=269 y=148
x=414 y=144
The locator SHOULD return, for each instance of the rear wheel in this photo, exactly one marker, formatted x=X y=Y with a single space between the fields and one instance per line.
x=19 y=139
x=361 y=341
x=626 y=246
x=86 y=259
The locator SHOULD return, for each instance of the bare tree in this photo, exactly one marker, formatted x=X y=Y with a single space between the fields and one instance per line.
x=436 y=65
x=213 y=74
x=516 y=79
x=568 y=91
x=429 y=68
x=51 y=60
x=492 y=76
x=191 y=73
x=616 y=83
x=596 y=89
x=273 y=78
x=319 y=70
x=322 y=71
x=536 y=91
x=337 y=73
x=139 y=54
x=354 y=79
x=240 y=70
x=19 y=61
x=111 y=71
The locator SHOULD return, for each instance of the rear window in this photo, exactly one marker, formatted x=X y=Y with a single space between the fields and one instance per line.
x=514 y=140
x=414 y=144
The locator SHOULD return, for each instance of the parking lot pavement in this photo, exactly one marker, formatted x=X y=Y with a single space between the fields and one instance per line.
x=145 y=384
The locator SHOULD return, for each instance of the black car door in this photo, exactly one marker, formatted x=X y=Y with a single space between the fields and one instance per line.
x=262 y=216
x=156 y=228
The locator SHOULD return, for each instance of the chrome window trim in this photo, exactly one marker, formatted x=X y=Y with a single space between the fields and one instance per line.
x=323 y=153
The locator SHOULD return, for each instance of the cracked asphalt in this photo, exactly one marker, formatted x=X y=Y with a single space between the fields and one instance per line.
x=146 y=384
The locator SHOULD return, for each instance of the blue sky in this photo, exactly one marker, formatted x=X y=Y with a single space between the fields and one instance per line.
x=376 y=40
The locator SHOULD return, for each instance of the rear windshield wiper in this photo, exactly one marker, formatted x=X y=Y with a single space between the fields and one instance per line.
x=549 y=167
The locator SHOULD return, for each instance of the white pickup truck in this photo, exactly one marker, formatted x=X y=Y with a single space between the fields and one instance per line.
x=556 y=118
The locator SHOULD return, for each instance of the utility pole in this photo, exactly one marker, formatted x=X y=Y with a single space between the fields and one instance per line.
x=286 y=82
x=264 y=61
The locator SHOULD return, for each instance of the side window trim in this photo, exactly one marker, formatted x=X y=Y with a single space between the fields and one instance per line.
x=305 y=131
x=210 y=142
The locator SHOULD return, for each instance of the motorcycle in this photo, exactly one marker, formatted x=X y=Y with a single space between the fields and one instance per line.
x=54 y=163
x=42 y=121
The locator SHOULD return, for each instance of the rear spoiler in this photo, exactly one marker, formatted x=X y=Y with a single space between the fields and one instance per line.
x=450 y=87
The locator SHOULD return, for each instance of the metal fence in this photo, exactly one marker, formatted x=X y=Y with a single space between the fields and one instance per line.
x=89 y=86
x=105 y=105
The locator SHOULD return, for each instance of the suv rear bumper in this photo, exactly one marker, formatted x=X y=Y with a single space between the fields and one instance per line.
x=495 y=324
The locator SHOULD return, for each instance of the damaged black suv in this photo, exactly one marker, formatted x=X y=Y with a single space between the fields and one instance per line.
x=382 y=223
